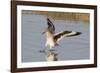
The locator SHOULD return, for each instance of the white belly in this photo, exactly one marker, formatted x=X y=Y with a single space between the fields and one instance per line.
x=50 y=43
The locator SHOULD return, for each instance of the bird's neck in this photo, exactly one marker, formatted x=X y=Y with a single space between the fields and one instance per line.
x=49 y=35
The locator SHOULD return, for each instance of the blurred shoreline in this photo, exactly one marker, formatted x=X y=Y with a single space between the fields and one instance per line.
x=62 y=15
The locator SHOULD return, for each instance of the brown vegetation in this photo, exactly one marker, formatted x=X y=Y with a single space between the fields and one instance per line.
x=64 y=15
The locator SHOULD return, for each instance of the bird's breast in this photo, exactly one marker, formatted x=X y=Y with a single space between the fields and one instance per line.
x=50 y=42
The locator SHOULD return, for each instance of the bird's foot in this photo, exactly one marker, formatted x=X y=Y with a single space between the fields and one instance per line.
x=52 y=50
x=41 y=51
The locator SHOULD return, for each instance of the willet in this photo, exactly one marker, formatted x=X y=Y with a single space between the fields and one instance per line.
x=53 y=38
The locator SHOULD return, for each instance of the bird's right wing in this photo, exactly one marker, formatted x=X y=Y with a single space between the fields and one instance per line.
x=63 y=34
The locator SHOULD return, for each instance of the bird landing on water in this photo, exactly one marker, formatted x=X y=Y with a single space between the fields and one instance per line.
x=53 y=38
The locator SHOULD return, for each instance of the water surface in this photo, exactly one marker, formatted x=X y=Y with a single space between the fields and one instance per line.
x=71 y=48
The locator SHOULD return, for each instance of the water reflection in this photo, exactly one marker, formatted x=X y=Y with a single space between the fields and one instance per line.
x=50 y=55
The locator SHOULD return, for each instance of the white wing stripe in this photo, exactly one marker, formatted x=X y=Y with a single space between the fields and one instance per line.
x=72 y=33
x=66 y=35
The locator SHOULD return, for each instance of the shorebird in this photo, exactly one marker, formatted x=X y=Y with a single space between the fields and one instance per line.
x=53 y=38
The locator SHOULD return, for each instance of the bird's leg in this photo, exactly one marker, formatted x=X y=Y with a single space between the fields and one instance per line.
x=52 y=50
x=43 y=51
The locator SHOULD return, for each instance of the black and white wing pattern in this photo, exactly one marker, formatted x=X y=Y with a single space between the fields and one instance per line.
x=51 y=27
x=63 y=34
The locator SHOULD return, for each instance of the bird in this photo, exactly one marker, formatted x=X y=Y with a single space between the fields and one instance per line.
x=52 y=38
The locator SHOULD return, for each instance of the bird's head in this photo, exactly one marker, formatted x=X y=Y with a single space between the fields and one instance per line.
x=47 y=31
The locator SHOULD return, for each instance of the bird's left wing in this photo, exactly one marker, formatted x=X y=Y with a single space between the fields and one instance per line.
x=63 y=34
x=51 y=26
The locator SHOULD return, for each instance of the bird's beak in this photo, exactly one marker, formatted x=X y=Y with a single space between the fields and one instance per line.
x=43 y=32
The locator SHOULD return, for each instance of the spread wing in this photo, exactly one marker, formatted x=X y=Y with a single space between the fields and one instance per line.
x=51 y=27
x=63 y=34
